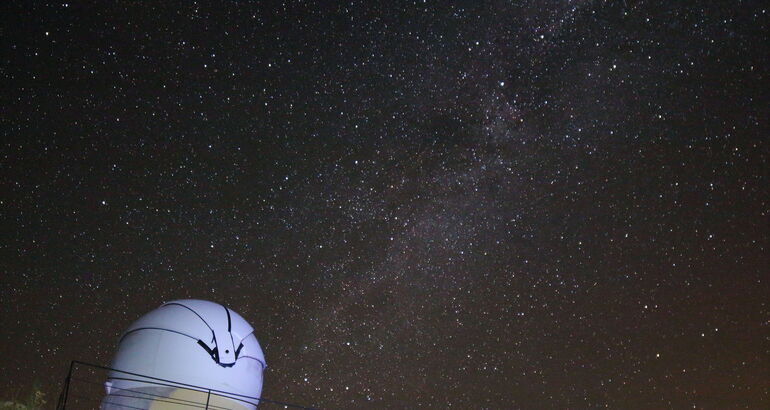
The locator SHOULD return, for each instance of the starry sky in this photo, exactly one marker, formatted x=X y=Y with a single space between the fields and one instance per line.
x=475 y=204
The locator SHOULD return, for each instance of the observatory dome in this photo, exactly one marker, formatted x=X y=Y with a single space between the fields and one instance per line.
x=181 y=349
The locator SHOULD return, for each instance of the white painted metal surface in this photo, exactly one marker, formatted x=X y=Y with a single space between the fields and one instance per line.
x=191 y=342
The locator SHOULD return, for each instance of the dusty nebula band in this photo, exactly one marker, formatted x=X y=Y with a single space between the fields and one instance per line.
x=475 y=204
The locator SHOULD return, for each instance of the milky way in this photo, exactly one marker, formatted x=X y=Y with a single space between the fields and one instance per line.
x=536 y=204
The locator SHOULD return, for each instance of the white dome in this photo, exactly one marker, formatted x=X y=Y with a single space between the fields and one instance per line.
x=190 y=343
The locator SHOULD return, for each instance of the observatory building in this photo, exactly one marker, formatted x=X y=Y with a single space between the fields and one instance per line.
x=191 y=352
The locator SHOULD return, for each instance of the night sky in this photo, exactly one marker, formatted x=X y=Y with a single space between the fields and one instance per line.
x=499 y=204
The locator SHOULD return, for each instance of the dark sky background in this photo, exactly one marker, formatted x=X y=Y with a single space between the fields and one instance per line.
x=501 y=204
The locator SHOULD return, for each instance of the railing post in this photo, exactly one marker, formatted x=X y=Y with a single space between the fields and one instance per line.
x=208 y=397
x=63 y=394
x=63 y=398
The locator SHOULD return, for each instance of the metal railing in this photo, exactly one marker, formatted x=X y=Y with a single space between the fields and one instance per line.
x=84 y=388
